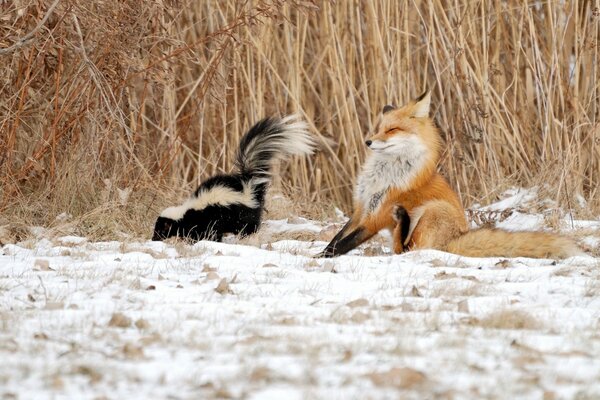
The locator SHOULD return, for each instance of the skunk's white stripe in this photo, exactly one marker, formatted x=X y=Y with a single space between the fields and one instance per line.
x=217 y=195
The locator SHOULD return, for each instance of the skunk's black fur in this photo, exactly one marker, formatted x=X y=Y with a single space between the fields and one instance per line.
x=234 y=203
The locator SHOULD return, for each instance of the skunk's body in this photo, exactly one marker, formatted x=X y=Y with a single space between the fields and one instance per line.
x=234 y=203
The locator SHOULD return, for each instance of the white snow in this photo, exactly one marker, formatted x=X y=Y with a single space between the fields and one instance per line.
x=226 y=320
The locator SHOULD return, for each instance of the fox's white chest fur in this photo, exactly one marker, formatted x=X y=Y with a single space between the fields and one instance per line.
x=384 y=171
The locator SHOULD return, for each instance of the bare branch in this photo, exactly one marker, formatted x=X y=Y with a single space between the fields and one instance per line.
x=27 y=38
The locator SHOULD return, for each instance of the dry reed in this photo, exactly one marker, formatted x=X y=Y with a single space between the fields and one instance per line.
x=111 y=109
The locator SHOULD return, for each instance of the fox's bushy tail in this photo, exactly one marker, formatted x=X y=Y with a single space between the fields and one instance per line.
x=270 y=139
x=499 y=243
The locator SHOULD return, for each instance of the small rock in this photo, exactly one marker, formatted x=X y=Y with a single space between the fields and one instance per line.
x=151 y=287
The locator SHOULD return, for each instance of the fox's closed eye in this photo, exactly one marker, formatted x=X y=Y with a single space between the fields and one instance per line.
x=392 y=130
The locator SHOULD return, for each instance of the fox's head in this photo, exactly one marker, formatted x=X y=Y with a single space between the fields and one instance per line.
x=406 y=131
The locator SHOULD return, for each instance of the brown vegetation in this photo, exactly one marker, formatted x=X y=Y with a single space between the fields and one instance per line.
x=109 y=109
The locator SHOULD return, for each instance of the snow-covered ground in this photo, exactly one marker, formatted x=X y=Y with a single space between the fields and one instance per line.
x=267 y=321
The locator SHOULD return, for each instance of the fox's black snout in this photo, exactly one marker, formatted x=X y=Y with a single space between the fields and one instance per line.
x=368 y=143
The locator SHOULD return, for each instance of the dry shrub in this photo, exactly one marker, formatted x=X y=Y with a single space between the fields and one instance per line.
x=153 y=96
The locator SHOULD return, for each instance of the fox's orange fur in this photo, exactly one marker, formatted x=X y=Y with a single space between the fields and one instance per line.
x=400 y=178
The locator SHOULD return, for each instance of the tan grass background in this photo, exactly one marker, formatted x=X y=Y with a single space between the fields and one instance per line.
x=109 y=110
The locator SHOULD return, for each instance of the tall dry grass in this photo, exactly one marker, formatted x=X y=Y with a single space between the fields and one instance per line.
x=109 y=110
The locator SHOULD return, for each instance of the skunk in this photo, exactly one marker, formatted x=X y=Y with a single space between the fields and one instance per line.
x=234 y=203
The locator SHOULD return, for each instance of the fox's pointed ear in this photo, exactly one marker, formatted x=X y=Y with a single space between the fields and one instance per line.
x=387 y=109
x=422 y=105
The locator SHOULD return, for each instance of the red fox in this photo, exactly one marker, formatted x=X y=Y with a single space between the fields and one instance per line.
x=399 y=189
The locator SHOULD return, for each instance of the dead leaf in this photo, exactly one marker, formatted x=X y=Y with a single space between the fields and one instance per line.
x=31 y=298
x=463 y=306
x=94 y=375
x=211 y=276
x=223 y=287
x=57 y=383
x=161 y=277
x=208 y=268
x=288 y=321
x=347 y=355
x=503 y=264
x=445 y=275
x=133 y=351
x=151 y=287
x=269 y=265
x=120 y=321
x=148 y=340
x=415 y=292
x=40 y=336
x=400 y=377
x=142 y=324
x=436 y=262
x=359 y=317
x=260 y=374
x=362 y=302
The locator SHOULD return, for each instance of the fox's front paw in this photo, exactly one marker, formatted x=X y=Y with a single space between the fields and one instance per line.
x=325 y=254
x=399 y=213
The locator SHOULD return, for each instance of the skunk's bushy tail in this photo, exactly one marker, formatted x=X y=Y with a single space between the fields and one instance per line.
x=270 y=139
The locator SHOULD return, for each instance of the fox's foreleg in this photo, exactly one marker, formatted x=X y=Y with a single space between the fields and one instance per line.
x=359 y=229
x=351 y=241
